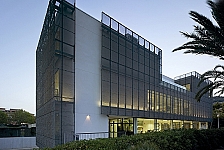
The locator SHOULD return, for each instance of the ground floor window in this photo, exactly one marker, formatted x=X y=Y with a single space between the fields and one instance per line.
x=129 y=126
x=147 y=125
x=121 y=126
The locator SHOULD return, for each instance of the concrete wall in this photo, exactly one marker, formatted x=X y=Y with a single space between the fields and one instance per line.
x=88 y=115
x=17 y=143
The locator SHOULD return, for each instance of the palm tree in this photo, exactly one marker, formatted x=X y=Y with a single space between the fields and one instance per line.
x=217 y=75
x=208 y=38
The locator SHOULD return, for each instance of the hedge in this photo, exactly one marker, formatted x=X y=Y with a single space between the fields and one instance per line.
x=182 y=139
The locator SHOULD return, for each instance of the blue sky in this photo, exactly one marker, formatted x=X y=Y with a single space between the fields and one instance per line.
x=157 y=21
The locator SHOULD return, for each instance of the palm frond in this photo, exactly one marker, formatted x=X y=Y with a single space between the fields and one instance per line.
x=207 y=37
x=217 y=74
x=203 y=21
x=203 y=91
x=217 y=12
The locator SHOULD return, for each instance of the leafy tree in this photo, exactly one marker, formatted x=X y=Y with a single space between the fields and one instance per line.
x=22 y=116
x=3 y=117
x=208 y=38
x=218 y=109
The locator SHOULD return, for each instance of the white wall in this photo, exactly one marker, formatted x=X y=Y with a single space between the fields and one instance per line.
x=88 y=75
x=17 y=142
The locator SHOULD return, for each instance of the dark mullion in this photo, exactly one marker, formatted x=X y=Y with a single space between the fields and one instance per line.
x=173 y=101
x=118 y=45
x=182 y=103
x=132 y=72
x=138 y=73
x=164 y=101
x=61 y=78
x=144 y=80
x=149 y=83
x=154 y=80
x=53 y=32
x=185 y=95
x=179 y=101
x=110 y=66
x=125 y=84
x=170 y=101
x=151 y=88
x=188 y=96
x=185 y=104
x=185 y=98
x=102 y=33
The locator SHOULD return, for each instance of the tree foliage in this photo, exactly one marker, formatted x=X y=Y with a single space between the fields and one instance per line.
x=218 y=109
x=17 y=117
x=22 y=116
x=3 y=117
x=208 y=38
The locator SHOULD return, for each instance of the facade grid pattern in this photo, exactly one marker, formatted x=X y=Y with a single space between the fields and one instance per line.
x=131 y=79
x=55 y=75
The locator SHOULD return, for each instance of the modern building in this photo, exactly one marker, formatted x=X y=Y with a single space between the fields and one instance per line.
x=99 y=79
x=218 y=99
x=10 y=111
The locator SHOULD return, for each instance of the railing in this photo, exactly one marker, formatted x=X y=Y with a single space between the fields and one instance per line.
x=88 y=136
x=174 y=86
x=194 y=73
x=95 y=135
x=129 y=34
x=68 y=137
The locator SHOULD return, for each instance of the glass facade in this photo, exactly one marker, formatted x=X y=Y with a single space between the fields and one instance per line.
x=120 y=126
x=134 y=95
x=132 y=84
x=55 y=75
x=129 y=126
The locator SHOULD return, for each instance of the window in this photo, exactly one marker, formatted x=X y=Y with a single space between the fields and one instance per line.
x=188 y=87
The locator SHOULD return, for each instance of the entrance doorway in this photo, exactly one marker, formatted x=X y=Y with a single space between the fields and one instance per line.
x=121 y=126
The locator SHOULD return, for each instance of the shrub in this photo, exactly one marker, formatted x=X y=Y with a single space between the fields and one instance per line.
x=181 y=139
x=144 y=146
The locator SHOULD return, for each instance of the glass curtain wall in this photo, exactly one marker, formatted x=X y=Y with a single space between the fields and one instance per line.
x=129 y=64
x=131 y=79
x=148 y=125
x=55 y=75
